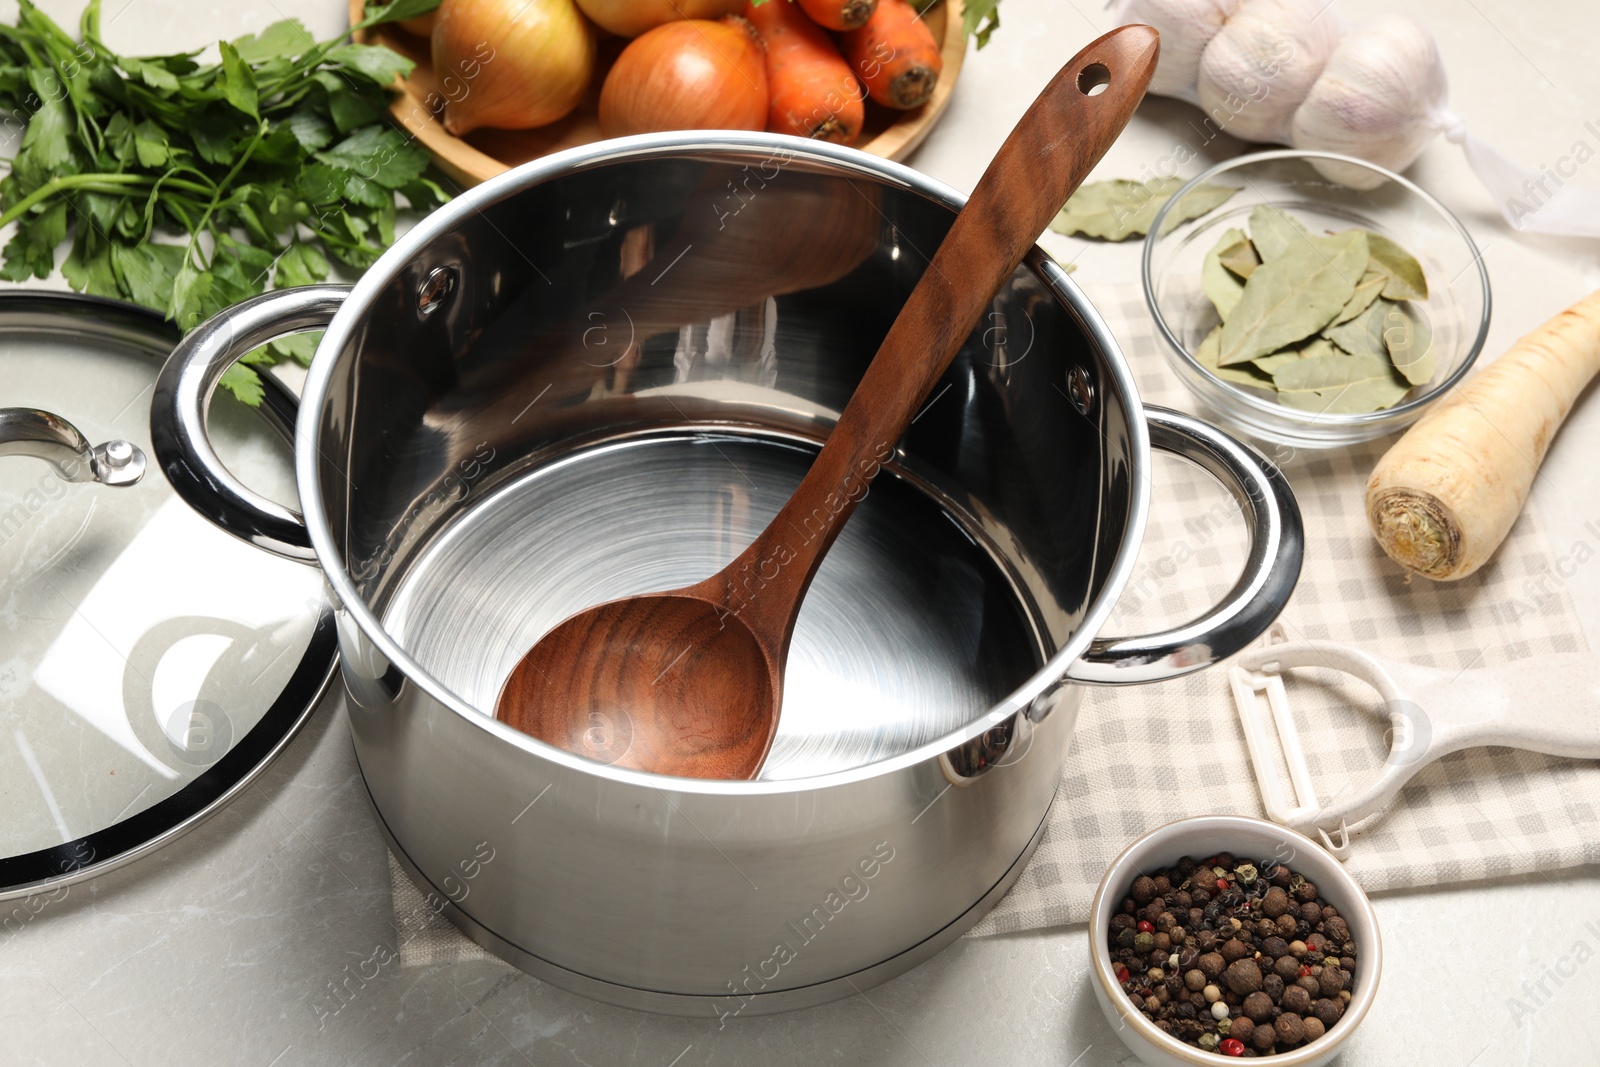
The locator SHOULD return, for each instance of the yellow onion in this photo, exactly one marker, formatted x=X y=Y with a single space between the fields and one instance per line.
x=695 y=75
x=512 y=64
x=630 y=18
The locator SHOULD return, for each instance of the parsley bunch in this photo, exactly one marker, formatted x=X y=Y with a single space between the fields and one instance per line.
x=264 y=166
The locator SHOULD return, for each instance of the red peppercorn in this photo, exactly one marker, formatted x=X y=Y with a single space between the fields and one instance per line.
x=1231 y=1046
x=1222 y=885
x=1146 y=927
x=1122 y=974
x=1305 y=970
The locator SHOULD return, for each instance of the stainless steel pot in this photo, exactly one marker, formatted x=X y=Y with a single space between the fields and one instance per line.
x=602 y=373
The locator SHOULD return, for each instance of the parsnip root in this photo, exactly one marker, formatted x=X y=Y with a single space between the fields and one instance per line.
x=1444 y=497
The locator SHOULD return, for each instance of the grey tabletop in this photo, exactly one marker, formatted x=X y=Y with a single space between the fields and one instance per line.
x=221 y=947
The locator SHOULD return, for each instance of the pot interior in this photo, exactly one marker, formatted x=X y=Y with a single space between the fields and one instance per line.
x=601 y=378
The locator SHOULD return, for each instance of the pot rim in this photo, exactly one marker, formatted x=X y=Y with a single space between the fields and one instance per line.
x=707 y=143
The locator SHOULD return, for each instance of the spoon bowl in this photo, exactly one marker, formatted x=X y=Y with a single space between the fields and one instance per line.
x=670 y=679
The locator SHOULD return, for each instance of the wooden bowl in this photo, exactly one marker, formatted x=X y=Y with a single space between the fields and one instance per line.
x=482 y=154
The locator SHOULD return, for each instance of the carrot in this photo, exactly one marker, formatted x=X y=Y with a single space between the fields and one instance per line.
x=811 y=91
x=838 y=14
x=1444 y=497
x=895 y=55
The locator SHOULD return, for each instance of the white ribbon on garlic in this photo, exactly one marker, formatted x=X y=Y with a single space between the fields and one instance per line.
x=1288 y=72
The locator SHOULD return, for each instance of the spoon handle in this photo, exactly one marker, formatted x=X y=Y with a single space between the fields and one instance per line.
x=1048 y=155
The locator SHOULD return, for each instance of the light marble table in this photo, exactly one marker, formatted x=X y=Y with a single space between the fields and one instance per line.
x=217 y=949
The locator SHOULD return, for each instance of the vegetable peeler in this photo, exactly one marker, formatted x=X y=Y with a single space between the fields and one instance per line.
x=1548 y=704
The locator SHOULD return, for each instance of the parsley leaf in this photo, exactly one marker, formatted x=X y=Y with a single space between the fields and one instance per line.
x=188 y=187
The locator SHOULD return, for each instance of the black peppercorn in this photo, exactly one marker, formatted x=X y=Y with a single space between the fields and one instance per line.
x=1332 y=981
x=1123 y=922
x=1272 y=986
x=1144 y=890
x=1311 y=913
x=1336 y=929
x=1306 y=894
x=1274 y=946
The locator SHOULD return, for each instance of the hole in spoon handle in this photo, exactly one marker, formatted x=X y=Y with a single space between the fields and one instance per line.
x=1093 y=79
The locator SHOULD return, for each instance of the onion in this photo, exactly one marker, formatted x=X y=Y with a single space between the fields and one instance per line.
x=511 y=63
x=695 y=75
x=630 y=18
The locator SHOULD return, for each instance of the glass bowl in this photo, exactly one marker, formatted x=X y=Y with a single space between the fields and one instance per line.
x=1457 y=307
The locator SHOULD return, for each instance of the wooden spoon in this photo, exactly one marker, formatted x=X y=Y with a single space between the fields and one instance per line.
x=689 y=682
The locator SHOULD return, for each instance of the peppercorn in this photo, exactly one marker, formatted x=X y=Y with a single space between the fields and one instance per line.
x=1212 y=994
x=1274 y=946
x=1336 y=929
x=1143 y=891
x=1206 y=940
x=1306 y=894
x=1209 y=1041
x=1243 y=976
x=1163 y=884
x=1121 y=921
x=1328 y=912
x=1177 y=935
x=1222 y=859
x=1313 y=1027
x=1151 y=1004
x=1163 y=942
x=1272 y=986
x=1195 y=979
x=1235 y=950
x=1266 y=928
x=1155 y=974
x=1199 y=895
x=1197 y=916
x=1241 y=1028
x=1181 y=899
x=1186 y=956
x=1203 y=879
x=1258 y=1007
x=1286 y=925
x=1312 y=957
x=1287 y=968
x=1211 y=963
x=1348 y=962
x=1275 y=903
x=1125 y=938
x=1328 y=1011
x=1310 y=912
x=1291 y=1030
x=1145 y=927
x=1122 y=974
x=1173 y=985
x=1332 y=981
x=1231 y=1046
x=1309 y=984
x=1296 y=1000
x=1143 y=943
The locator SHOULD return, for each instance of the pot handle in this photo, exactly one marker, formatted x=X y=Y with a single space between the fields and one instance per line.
x=31 y=432
x=178 y=434
x=1277 y=546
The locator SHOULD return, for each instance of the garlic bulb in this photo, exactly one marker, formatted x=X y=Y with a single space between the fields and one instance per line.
x=1375 y=99
x=1186 y=27
x=1260 y=65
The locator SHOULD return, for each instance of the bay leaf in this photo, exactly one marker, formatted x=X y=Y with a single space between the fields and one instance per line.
x=1367 y=290
x=1310 y=349
x=1409 y=339
x=1362 y=335
x=1222 y=287
x=1121 y=208
x=1406 y=280
x=1340 y=384
x=1291 y=297
x=1274 y=232
x=1241 y=258
x=1206 y=356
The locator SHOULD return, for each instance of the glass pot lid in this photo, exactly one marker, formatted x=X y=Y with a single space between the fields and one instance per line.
x=150 y=665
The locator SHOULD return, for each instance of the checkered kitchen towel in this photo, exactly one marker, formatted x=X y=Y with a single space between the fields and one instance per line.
x=1147 y=755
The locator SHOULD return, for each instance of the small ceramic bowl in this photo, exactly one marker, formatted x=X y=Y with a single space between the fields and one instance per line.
x=1457 y=308
x=1244 y=837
